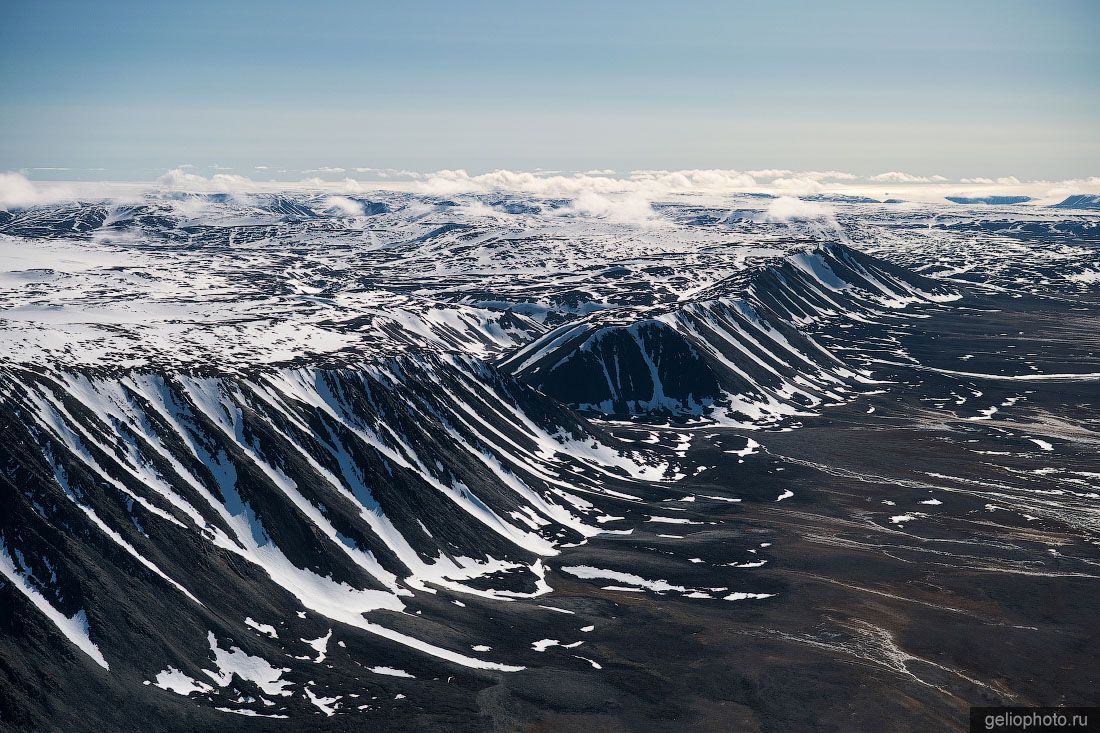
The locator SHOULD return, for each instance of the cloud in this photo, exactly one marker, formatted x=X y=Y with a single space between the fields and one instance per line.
x=451 y=182
x=770 y=173
x=651 y=183
x=787 y=209
x=344 y=205
x=178 y=179
x=829 y=176
x=16 y=190
x=1003 y=181
x=1061 y=189
x=597 y=192
x=476 y=208
x=600 y=194
x=630 y=208
x=325 y=169
x=648 y=182
x=711 y=179
x=353 y=186
x=797 y=186
x=899 y=177
x=781 y=178
x=390 y=173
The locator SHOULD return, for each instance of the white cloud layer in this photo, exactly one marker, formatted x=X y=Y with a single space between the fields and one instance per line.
x=344 y=205
x=386 y=173
x=16 y=190
x=787 y=209
x=899 y=177
x=631 y=207
x=600 y=193
x=178 y=179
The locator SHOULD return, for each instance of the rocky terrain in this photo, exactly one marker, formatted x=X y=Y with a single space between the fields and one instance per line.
x=308 y=462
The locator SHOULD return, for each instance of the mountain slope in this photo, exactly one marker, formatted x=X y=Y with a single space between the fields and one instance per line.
x=135 y=497
x=742 y=349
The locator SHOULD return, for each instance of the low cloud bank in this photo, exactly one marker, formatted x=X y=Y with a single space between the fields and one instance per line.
x=346 y=206
x=630 y=197
x=645 y=182
x=601 y=192
x=900 y=177
x=16 y=191
x=178 y=179
x=631 y=207
x=787 y=209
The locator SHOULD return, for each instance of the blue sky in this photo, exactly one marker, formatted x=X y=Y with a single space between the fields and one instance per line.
x=951 y=88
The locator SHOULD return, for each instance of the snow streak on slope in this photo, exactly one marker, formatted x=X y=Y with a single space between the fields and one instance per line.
x=74 y=628
x=740 y=350
x=349 y=490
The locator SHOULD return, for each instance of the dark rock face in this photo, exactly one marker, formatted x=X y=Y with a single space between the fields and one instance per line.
x=646 y=367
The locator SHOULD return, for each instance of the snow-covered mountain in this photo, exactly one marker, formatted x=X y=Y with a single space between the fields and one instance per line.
x=738 y=350
x=299 y=455
x=1079 y=201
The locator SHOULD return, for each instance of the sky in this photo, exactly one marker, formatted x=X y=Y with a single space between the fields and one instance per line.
x=127 y=90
